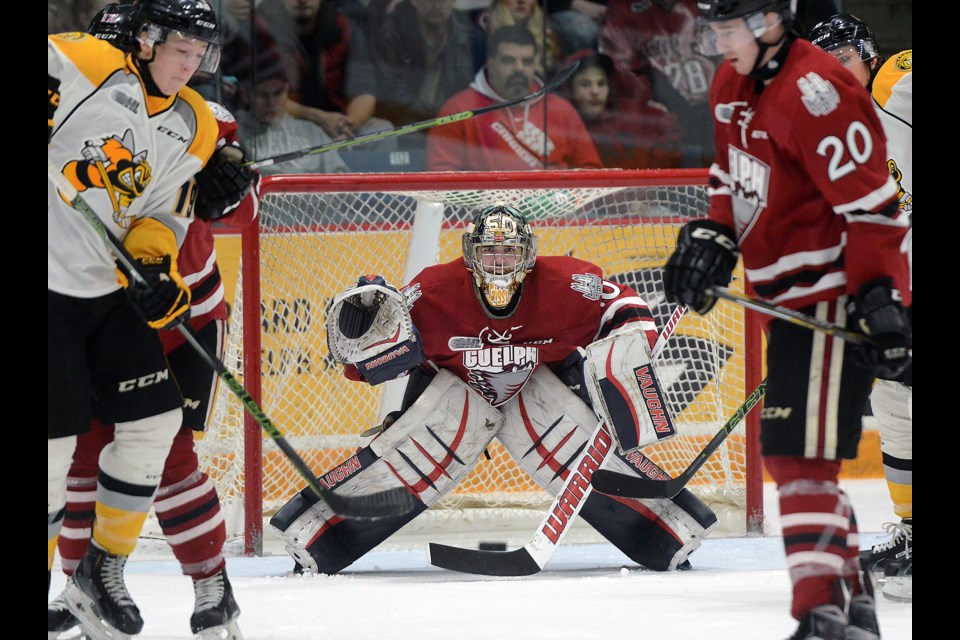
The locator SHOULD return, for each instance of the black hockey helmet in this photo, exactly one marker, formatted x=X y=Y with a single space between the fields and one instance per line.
x=720 y=10
x=843 y=30
x=504 y=229
x=114 y=23
x=190 y=19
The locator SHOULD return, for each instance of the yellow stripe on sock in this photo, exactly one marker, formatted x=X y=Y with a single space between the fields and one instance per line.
x=117 y=530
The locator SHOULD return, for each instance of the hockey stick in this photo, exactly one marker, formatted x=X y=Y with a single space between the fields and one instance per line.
x=534 y=556
x=789 y=315
x=628 y=486
x=376 y=505
x=555 y=83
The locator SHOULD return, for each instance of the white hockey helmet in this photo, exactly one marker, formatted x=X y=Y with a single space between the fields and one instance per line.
x=499 y=248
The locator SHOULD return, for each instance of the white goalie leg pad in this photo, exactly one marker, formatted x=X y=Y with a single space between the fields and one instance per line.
x=435 y=443
x=429 y=449
x=545 y=427
x=625 y=391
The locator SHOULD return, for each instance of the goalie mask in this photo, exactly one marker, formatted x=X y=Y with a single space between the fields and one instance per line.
x=499 y=248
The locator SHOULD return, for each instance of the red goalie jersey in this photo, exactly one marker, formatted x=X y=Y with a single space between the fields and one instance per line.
x=801 y=176
x=565 y=303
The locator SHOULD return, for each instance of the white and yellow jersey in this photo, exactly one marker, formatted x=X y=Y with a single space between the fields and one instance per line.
x=893 y=98
x=127 y=153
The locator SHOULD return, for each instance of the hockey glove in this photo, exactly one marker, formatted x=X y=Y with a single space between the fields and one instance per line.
x=878 y=311
x=369 y=326
x=53 y=101
x=705 y=256
x=223 y=183
x=163 y=301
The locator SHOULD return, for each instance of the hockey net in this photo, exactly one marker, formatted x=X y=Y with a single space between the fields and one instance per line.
x=317 y=234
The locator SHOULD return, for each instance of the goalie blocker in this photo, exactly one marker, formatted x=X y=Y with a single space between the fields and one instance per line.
x=369 y=327
x=625 y=391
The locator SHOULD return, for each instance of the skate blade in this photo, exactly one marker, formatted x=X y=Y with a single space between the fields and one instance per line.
x=898 y=589
x=73 y=633
x=82 y=606
x=228 y=631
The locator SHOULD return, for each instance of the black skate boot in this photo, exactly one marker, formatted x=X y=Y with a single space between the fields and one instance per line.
x=215 y=611
x=898 y=578
x=901 y=538
x=99 y=598
x=60 y=620
x=862 y=613
x=824 y=622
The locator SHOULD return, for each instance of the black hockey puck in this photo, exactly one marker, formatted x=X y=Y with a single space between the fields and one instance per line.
x=492 y=546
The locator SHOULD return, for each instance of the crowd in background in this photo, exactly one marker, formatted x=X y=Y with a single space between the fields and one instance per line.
x=304 y=73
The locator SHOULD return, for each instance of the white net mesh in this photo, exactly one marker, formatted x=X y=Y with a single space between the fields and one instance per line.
x=314 y=244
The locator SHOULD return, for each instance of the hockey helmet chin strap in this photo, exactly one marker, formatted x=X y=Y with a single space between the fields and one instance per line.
x=773 y=65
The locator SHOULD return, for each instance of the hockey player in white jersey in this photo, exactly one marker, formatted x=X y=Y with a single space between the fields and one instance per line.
x=129 y=135
x=890 y=83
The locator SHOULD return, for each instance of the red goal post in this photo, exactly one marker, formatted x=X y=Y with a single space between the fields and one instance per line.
x=317 y=233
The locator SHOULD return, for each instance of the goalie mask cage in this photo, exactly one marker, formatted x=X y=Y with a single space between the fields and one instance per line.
x=317 y=233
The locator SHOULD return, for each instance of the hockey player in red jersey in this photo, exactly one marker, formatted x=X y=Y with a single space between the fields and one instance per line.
x=186 y=501
x=800 y=190
x=851 y=42
x=492 y=343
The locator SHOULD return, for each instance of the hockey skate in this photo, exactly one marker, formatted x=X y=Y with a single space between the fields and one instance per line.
x=898 y=578
x=901 y=539
x=862 y=623
x=99 y=598
x=215 y=611
x=825 y=622
x=61 y=624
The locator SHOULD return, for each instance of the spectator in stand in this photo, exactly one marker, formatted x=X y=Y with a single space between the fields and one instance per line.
x=625 y=138
x=268 y=130
x=529 y=14
x=651 y=45
x=244 y=45
x=333 y=78
x=577 y=23
x=546 y=133
x=425 y=52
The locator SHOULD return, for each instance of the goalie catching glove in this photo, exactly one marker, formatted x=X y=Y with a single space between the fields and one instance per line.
x=369 y=326
x=880 y=314
x=223 y=183
x=706 y=255
x=162 y=299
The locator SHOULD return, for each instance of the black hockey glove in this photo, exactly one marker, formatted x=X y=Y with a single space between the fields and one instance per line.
x=705 y=256
x=163 y=301
x=53 y=101
x=223 y=183
x=879 y=313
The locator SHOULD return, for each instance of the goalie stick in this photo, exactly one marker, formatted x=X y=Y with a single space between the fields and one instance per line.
x=628 y=486
x=372 y=506
x=534 y=556
x=789 y=315
x=555 y=83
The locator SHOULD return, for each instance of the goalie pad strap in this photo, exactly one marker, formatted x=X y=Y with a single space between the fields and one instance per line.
x=625 y=390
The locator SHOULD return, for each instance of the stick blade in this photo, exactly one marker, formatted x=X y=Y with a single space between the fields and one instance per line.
x=372 y=506
x=627 y=486
x=483 y=562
